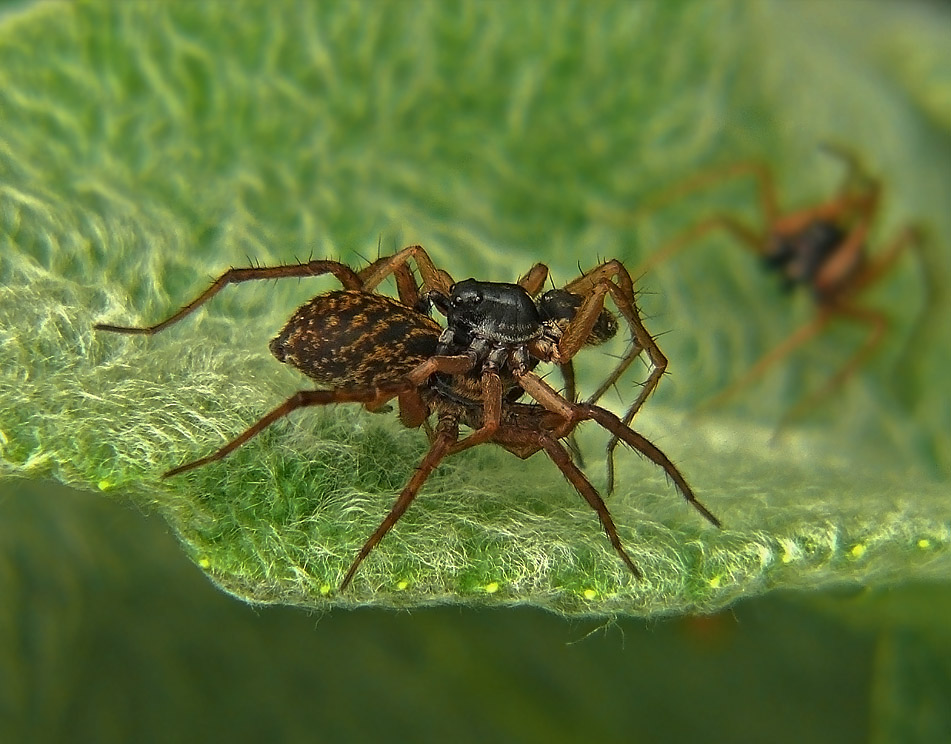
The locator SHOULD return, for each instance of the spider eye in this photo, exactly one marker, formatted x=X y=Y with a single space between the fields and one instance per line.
x=466 y=299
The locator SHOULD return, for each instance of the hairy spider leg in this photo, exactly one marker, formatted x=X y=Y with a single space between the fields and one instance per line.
x=432 y=277
x=318 y=267
x=491 y=413
x=559 y=456
x=406 y=287
x=612 y=278
x=574 y=413
x=447 y=431
x=534 y=279
x=367 y=279
x=371 y=398
x=300 y=399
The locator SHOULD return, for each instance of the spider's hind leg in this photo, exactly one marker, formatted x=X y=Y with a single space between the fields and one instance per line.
x=347 y=277
x=372 y=398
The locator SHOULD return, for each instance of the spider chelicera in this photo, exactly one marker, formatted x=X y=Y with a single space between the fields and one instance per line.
x=822 y=248
x=368 y=348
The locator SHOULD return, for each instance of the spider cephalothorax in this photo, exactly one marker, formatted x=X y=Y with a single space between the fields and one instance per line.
x=500 y=324
x=491 y=322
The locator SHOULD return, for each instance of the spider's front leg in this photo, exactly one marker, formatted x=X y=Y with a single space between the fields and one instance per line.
x=612 y=278
x=753 y=238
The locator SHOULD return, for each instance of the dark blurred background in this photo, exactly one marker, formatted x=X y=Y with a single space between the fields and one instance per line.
x=109 y=634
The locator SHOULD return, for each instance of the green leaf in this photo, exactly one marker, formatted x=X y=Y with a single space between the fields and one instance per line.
x=147 y=147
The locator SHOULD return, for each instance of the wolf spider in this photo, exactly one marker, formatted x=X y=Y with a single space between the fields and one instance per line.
x=822 y=248
x=555 y=327
x=378 y=349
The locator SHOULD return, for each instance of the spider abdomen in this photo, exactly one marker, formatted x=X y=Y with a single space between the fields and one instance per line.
x=355 y=339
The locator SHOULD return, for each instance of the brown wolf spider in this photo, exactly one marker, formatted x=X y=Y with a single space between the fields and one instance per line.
x=377 y=349
x=554 y=328
x=822 y=248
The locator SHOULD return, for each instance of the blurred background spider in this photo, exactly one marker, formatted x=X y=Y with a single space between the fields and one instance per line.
x=823 y=248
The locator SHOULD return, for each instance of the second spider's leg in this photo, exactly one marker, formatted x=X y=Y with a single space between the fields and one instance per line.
x=857 y=178
x=576 y=412
x=766 y=190
x=911 y=236
x=884 y=260
x=759 y=171
x=798 y=338
x=447 y=430
x=575 y=477
x=348 y=278
x=879 y=325
x=746 y=235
